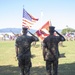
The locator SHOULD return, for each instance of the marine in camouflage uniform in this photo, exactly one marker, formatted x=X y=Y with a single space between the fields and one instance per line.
x=51 y=52
x=23 y=53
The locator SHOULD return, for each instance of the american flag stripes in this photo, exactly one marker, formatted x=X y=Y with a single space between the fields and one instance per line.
x=28 y=20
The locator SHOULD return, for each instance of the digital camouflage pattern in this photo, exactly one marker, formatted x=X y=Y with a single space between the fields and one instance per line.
x=51 y=53
x=24 y=54
x=51 y=43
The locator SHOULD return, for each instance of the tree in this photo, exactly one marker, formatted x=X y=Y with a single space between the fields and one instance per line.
x=67 y=30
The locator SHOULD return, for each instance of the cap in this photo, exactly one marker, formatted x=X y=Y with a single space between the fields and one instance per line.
x=24 y=28
x=51 y=29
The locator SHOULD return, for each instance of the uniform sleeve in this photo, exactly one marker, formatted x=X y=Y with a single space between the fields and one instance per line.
x=16 y=42
x=34 y=39
x=44 y=44
x=61 y=38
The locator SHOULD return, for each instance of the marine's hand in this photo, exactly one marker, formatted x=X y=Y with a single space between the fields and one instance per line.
x=44 y=59
x=57 y=32
x=15 y=58
x=31 y=33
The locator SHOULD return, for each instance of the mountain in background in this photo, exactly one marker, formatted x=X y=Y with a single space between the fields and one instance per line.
x=14 y=30
x=18 y=30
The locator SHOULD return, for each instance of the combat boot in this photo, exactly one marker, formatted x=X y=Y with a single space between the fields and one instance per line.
x=48 y=73
x=22 y=72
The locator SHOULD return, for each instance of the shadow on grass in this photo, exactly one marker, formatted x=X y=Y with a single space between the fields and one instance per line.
x=67 y=69
x=9 y=70
x=64 y=69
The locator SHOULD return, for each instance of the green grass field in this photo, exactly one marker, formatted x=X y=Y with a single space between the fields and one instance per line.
x=9 y=64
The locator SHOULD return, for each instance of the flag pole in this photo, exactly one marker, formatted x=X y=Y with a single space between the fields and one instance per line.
x=41 y=16
x=23 y=6
x=50 y=23
x=41 y=24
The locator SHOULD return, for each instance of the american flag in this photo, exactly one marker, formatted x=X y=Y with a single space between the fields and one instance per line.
x=28 y=20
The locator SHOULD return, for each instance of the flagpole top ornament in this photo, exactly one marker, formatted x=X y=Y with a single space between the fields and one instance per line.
x=23 y=6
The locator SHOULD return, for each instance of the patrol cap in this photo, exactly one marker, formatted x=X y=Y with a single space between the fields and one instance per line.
x=24 y=28
x=51 y=29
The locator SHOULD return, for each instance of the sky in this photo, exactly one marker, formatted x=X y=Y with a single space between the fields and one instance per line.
x=61 y=13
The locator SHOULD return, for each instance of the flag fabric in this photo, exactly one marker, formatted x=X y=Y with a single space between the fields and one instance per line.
x=28 y=20
x=43 y=31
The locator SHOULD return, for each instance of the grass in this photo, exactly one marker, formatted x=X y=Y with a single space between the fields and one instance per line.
x=9 y=65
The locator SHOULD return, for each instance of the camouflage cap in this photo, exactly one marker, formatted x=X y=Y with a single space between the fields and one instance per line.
x=24 y=28
x=51 y=29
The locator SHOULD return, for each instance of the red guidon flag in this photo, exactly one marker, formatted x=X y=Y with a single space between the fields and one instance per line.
x=28 y=20
x=43 y=31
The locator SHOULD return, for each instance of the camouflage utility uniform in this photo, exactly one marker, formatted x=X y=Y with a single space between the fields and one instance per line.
x=51 y=53
x=24 y=54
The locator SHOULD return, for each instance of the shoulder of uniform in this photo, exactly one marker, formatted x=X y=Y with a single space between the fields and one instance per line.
x=19 y=38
